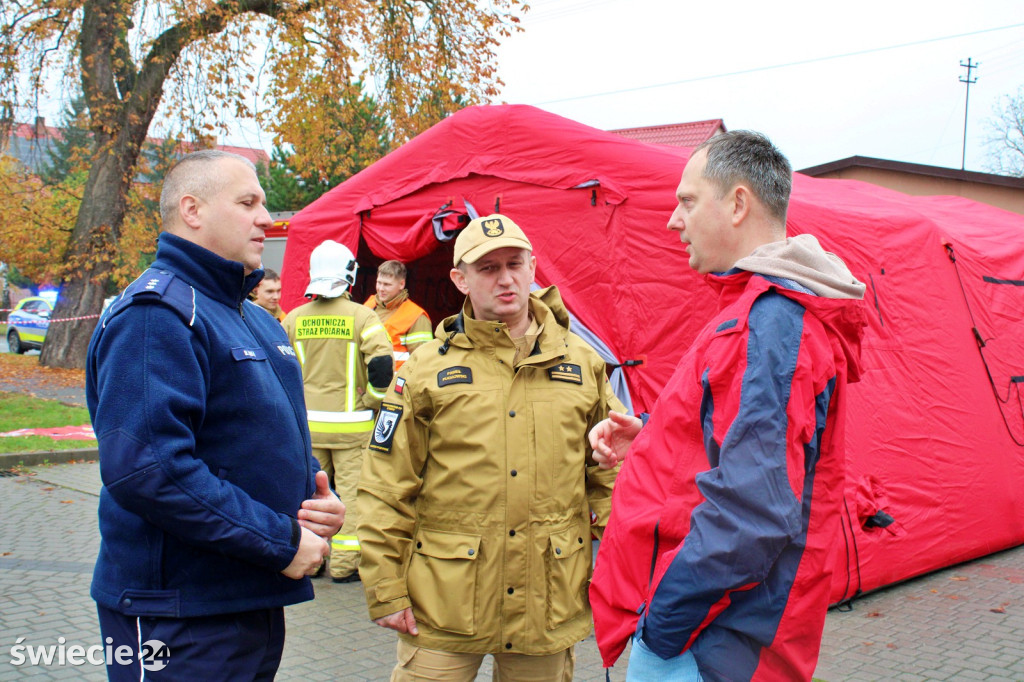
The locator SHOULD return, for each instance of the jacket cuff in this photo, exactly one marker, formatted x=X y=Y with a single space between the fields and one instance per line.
x=388 y=596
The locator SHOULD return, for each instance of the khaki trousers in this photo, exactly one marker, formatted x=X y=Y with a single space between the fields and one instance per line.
x=343 y=465
x=418 y=664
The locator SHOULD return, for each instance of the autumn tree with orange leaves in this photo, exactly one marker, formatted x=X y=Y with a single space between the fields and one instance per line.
x=41 y=204
x=200 y=64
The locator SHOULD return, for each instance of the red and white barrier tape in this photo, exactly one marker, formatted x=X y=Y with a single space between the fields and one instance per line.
x=75 y=319
x=61 y=319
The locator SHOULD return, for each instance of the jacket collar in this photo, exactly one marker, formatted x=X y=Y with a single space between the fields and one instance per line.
x=218 y=278
x=400 y=298
x=845 y=318
x=465 y=331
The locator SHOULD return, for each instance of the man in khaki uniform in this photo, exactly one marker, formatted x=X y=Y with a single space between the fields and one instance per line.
x=408 y=324
x=346 y=366
x=478 y=488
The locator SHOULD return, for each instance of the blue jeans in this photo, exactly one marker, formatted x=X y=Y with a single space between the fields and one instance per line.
x=646 y=666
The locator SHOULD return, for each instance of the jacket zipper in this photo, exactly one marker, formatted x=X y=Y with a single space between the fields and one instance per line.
x=654 y=561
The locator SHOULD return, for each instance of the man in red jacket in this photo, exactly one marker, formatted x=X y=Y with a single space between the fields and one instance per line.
x=715 y=559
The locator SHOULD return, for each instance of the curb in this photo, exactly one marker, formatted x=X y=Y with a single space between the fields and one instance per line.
x=11 y=460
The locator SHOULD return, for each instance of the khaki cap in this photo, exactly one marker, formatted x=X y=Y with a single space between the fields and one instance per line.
x=486 y=234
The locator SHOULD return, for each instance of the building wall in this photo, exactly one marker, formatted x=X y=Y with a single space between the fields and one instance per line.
x=1007 y=198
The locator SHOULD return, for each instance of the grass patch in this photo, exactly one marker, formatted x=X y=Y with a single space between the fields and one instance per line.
x=19 y=411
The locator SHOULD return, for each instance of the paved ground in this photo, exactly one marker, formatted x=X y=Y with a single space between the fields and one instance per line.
x=964 y=623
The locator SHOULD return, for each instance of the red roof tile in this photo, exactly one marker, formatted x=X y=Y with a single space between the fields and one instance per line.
x=27 y=131
x=676 y=134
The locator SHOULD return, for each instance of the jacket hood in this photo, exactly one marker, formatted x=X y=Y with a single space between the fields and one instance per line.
x=802 y=260
x=824 y=286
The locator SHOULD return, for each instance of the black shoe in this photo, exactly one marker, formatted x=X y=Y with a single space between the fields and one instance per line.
x=351 y=578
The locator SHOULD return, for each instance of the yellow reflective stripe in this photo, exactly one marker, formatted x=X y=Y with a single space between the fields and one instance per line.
x=372 y=390
x=31 y=337
x=345 y=543
x=300 y=351
x=417 y=337
x=341 y=427
x=350 y=388
x=373 y=329
x=339 y=417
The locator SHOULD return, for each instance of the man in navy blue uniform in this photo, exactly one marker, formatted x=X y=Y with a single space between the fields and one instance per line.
x=213 y=512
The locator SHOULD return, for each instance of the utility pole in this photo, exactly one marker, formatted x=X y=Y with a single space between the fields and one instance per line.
x=969 y=66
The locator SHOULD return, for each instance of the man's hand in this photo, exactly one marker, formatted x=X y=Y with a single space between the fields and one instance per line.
x=612 y=437
x=313 y=549
x=401 y=621
x=324 y=513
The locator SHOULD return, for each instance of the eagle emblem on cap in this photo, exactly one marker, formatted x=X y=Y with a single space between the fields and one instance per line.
x=493 y=227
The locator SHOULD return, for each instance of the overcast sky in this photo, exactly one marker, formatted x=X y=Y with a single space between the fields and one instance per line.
x=825 y=80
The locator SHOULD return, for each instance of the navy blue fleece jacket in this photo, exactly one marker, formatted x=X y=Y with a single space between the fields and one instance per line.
x=196 y=398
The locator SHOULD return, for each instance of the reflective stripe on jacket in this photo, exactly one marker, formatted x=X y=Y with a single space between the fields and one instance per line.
x=407 y=324
x=335 y=339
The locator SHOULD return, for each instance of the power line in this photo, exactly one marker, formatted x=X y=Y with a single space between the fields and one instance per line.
x=777 y=66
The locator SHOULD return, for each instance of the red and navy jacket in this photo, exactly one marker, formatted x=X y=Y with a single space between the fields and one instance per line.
x=727 y=504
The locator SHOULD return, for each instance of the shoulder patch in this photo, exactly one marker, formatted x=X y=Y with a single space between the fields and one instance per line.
x=454 y=375
x=384 y=429
x=158 y=285
x=566 y=371
x=399 y=385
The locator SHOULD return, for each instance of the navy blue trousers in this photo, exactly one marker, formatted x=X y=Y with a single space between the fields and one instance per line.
x=233 y=646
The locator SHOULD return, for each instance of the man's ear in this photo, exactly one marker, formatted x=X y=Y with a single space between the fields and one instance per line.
x=188 y=209
x=459 y=280
x=741 y=206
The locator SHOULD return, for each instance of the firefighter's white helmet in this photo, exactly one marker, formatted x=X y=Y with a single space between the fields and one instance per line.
x=332 y=270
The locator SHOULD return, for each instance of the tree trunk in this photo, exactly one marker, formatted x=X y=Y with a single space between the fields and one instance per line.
x=93 y=242
x=122 y=103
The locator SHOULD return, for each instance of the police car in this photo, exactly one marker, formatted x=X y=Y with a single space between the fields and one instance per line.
x=27 y=324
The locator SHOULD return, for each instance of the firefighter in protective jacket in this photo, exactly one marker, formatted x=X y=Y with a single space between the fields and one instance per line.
x=346 y=366
x=478 y=488
x=408 y=324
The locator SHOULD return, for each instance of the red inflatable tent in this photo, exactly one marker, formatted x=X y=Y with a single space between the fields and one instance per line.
x=936 y=437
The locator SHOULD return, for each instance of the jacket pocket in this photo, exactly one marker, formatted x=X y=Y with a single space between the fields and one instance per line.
x=568 y=569
x=443 y=565
x=150 y=603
